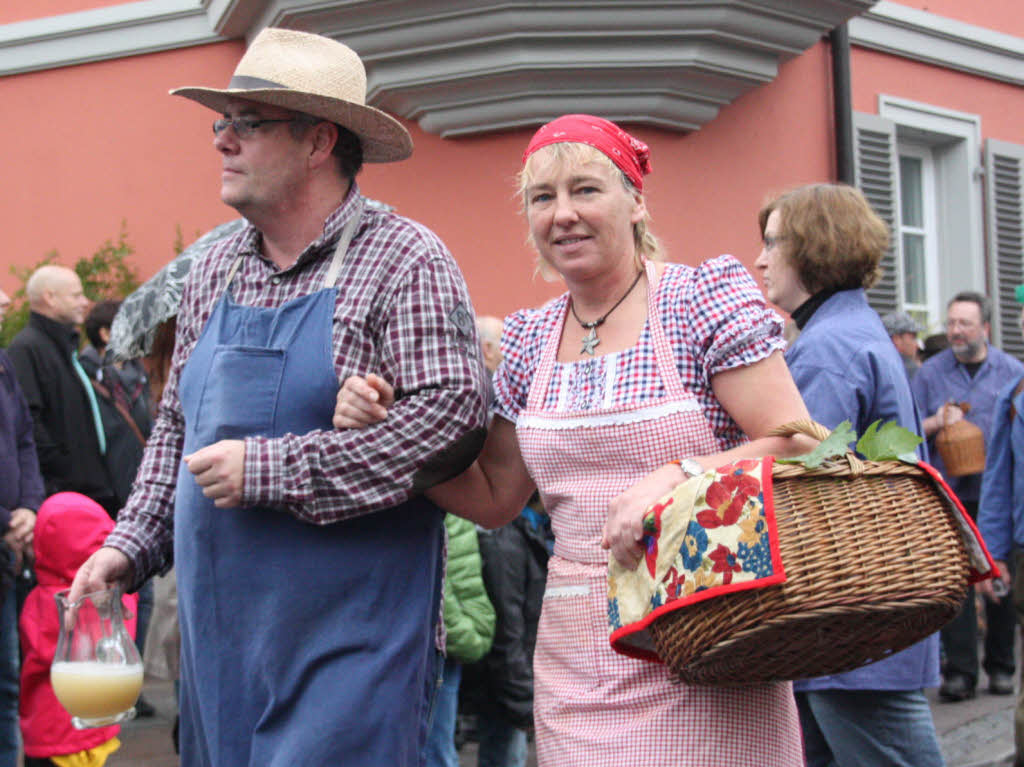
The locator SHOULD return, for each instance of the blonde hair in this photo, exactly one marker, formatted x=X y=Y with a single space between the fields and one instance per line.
x=646 y=245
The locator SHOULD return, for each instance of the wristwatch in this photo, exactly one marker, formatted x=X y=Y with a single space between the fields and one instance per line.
x=690 y=467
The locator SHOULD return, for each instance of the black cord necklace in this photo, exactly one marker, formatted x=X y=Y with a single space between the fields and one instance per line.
x=590 y=340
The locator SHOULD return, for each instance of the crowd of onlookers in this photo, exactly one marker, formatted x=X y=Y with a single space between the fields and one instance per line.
x=74 y=425
x=75 y=422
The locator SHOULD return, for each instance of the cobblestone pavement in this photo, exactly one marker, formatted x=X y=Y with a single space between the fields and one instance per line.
x=975 y=733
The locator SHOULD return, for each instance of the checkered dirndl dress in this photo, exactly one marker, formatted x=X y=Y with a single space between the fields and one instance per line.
x=592 y=706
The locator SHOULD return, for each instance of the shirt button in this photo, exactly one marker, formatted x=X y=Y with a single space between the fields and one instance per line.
x=275 y=280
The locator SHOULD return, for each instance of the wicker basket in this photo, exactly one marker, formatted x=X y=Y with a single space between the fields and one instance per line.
x=962 y=448
x=874 y=563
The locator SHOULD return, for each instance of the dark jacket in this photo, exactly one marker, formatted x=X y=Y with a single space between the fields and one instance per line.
x=21 y=484
x=123 y=398
x=515 y=559
x=64 y=430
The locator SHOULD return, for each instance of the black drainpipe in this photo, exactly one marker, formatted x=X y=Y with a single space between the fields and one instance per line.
x=839 y=39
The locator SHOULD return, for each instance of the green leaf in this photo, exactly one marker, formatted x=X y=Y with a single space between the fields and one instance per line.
x=890 y=442
x=835 y=446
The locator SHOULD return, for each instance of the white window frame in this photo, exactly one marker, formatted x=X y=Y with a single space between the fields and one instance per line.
x=934 y=307
x=954 y=140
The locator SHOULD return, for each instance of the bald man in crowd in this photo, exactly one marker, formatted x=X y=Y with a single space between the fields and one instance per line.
x=489 y=329
x=65 y=413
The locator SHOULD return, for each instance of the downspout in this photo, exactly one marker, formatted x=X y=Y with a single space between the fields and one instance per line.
x=839 y=39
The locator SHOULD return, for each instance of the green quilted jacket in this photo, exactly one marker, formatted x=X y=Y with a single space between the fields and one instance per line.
x=468 y=614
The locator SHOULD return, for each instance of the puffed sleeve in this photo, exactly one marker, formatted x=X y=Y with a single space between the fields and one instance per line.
x=727 y=321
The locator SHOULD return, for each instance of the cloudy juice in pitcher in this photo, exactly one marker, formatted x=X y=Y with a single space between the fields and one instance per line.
x=96 y=672
x=94 y=690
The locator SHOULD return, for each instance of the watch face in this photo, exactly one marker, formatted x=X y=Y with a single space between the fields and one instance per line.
x=691 y=467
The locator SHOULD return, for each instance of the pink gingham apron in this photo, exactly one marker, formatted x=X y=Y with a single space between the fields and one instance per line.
x=593 y=707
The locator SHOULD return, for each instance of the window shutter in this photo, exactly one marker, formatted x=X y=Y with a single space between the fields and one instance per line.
x=1004 y=203
x=877 y=174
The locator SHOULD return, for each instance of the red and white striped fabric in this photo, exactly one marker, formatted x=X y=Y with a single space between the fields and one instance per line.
x=592 y=706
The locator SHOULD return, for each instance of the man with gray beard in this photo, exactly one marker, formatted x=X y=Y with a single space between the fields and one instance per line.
x=962 y=382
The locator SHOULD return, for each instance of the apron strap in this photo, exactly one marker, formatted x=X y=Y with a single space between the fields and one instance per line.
x=233 y=271
x=334 y=270
x=664 y=357
x=339 y=252
x=542 y=376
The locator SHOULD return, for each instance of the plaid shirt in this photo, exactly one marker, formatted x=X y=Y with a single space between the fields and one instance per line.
x=403 y=311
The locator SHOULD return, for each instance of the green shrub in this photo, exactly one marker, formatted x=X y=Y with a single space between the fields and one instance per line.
x=106 y=274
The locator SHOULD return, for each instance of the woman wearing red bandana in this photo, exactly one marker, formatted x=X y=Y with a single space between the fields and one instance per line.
x=607 y=398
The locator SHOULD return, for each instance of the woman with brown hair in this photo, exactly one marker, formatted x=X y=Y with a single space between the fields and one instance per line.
x=822 y=249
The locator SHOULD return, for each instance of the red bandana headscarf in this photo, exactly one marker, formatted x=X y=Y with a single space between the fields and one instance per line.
x=631 y=155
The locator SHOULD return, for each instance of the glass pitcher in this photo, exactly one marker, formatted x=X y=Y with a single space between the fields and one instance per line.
x=96 y=672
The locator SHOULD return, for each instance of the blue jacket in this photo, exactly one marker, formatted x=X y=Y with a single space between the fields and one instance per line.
x=846 y=368
x=21 y=484
x=942 y=379
x=1001 y=509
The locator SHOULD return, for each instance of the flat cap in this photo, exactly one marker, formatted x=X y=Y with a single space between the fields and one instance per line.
x=900 y=322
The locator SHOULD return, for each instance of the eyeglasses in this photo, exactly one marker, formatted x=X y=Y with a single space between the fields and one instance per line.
x=771 y=242
x=965 y=324
x=246 y=126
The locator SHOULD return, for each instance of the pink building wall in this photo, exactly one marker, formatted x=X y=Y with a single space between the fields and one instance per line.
x=101 y=143
x=1000 y=105
x=998 y=15
x=92 y=145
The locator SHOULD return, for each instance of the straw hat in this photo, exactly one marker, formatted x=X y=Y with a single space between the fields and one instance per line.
x=315 y=75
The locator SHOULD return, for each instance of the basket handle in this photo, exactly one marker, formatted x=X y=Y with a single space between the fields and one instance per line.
x=812 y=429
x=816 y=431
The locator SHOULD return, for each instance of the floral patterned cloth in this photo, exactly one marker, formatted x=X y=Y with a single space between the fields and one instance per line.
x=713 y=534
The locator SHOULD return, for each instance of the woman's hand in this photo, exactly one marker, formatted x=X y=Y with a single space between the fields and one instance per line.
x=362 y=402
x=624 y=528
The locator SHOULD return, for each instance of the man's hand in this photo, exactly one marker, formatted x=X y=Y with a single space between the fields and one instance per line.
x=19 y=533
x=105 y=568
x=986 y=586
x=220 y=470
x=946 y=415
x=362 y=401
x=949 y=414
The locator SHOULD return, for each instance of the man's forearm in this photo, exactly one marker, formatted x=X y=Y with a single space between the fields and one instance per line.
x=326 y=476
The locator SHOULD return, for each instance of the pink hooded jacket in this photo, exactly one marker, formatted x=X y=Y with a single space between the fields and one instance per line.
x=69 y=527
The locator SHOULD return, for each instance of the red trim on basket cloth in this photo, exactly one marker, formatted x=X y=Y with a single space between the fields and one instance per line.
x=619 y=638
x=778 y=576
x=976 y=575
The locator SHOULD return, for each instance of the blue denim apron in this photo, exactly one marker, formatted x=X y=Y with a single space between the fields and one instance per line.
x=301 y=645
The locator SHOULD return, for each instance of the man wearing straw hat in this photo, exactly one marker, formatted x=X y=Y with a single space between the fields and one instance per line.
x=963 y=382
x=309 y=565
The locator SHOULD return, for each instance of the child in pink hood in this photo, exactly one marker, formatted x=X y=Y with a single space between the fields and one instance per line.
x=69 y=527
